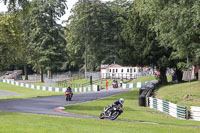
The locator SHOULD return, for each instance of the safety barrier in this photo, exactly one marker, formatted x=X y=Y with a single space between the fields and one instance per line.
x=53 y=89
x=195 y=113
x=169 y=108
x=133 y=85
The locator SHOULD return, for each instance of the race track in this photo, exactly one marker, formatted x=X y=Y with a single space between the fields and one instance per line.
x=49 y=105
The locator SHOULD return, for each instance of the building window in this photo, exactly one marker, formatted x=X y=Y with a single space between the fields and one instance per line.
x=116 y=70
x=110 y=70
x=130 y=70
x=113 y=70
x=127 y=70
x=122 y=70
x=134 y=69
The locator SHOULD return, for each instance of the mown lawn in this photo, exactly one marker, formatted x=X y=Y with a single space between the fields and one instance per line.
x=148 y=78
x=176 y=92
x=25 y=92
x=32 y=123
x=132 y=111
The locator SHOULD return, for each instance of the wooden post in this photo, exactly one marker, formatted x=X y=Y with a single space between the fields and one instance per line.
x=199 y=74
x=187 y=113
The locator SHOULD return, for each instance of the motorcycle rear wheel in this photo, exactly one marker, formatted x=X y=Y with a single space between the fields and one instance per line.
x=114 y=115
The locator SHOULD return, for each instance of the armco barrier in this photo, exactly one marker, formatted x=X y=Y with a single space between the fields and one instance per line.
x=133 y=85
x=53 y=89
x=168 y=108
x=195 y=113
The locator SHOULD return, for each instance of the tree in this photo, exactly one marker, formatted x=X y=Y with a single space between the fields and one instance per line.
x=180 y=28
x=10 y=40
x=45 y=38
x=95 y=28
x=176 y=25
x=13 y=5
x=141 y=44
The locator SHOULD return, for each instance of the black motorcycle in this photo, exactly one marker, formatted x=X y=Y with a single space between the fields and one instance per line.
x=111 y=113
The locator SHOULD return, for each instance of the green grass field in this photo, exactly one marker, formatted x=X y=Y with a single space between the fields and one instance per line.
x=32 y=123
x=25 y=92
x=176 y=92
x=20 y=122
x=132 y=111
x=148 y=78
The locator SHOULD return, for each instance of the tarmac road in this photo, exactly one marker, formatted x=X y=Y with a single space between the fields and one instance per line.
x=49 y=105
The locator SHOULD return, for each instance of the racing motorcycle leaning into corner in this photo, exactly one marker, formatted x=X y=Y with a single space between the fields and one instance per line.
x=113 y=111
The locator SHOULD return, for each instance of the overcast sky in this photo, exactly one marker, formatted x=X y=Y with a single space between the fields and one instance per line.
x=70 y=4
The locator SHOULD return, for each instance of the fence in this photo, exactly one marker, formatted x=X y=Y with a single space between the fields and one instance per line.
x=75 y=85
x=124 y=75
x=195 y=113
x=169 y=108
x=53 y=89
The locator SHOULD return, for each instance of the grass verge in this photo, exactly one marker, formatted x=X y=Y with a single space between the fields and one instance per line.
x=25 y=92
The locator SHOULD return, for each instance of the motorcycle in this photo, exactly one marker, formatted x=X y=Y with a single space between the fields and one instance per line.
x=111 y=113
x=68 y=95
x=115 y=85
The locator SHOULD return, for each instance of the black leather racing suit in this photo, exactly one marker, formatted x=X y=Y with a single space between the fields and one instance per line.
x=116 y=103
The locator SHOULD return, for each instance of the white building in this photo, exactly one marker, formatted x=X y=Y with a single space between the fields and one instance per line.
x=117 y=71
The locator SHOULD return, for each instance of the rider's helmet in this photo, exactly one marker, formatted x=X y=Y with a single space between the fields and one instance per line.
x=121 y=100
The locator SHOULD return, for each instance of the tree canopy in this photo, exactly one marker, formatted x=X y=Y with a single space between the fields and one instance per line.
x=162 y=34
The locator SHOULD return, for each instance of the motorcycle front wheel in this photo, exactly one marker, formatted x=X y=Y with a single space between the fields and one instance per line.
x=101 y=116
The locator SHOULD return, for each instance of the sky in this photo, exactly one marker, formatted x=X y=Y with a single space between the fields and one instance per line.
x=70 y=4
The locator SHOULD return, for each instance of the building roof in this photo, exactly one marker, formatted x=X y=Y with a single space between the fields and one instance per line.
x=115 y=65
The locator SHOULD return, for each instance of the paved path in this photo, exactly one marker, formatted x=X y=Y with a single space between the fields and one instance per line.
x=6 y=93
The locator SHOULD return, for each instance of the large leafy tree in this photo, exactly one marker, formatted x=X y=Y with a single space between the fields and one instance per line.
x=85 y=33
x=94 y=32
x=44 y=35
x=142 y=48
x=178 y=25
x=10 y=40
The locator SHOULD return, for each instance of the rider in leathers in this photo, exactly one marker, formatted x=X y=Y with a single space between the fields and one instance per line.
x=120 y=101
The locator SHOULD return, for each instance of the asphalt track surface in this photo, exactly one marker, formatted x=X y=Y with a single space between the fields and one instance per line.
x=52 y=105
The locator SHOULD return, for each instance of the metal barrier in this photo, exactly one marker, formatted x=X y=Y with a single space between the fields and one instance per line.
x=134 y=85
x=169 y=108
x=53 y=89
x=195 y=113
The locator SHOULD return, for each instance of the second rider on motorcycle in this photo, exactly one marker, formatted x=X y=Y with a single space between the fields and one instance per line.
x=68 y=91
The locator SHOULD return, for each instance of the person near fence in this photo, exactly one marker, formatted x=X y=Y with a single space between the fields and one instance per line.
x=121 y=82
x=106 y=85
